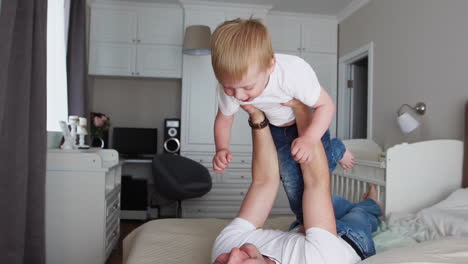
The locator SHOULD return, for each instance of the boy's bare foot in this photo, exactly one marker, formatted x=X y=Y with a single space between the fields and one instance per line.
x=372 y=194
x=347 y=162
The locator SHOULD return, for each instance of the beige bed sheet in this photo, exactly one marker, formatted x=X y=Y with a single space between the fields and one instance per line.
x=178 y=241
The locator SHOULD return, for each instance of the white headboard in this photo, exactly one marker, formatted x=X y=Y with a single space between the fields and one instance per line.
x=421 y=174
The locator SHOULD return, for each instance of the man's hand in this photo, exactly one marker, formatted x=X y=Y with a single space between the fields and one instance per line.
x=221 y=160
x=301 y=149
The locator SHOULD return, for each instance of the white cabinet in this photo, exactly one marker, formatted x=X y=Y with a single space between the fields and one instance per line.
x=312 y=38
x=319 y=35
x=285 y=33
x=82 y=205
x=113 y=24
x=135 y=40
x=292 y=33
x=228 y=190
x=199 y=109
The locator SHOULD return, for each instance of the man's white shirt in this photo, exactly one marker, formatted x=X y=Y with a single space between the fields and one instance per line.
x=316 y=246
x=291 y=78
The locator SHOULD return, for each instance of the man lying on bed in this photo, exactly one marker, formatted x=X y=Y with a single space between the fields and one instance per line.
x=242 y=241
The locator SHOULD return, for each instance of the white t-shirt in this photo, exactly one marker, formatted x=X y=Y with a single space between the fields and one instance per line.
x=291 y=78
x=316 y=246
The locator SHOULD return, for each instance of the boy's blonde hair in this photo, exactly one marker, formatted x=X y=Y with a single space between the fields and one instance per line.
x=238 y=44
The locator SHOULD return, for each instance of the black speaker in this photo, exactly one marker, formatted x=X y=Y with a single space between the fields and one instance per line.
x=172 y=136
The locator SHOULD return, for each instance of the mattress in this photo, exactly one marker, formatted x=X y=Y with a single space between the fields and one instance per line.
x=177 y=241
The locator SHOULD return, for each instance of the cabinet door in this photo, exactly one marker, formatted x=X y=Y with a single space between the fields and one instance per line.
x=198 y=104
x=159 y=61
x=111 y=24
x=319 y=36
x=111 y=59
x=324 y=66
x=160 y=26
x=285 y=33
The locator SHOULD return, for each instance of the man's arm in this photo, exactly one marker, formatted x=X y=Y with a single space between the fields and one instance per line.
x=259 y=199
x=317 y=205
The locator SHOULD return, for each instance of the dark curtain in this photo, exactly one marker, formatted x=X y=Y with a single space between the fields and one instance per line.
x=23 y=111
x=76 y=59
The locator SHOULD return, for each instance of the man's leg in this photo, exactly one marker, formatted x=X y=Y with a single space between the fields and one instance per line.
x=341 y=206
x=360 y=222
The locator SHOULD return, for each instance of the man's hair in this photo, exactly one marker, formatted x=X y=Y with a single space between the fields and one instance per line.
x=238 y=44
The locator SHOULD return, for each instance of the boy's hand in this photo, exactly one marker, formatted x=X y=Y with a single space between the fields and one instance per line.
x=221 y=160
x=301 y=149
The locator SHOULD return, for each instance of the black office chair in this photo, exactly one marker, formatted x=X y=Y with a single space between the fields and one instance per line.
x=179 y=178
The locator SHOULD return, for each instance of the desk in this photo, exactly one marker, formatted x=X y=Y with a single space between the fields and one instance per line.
x=138 y=161
x=139 y=214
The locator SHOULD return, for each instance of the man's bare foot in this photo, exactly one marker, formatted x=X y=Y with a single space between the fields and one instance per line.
x=347 y=162
x=372 y=194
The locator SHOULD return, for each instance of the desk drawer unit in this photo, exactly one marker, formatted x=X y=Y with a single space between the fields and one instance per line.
x=228 y=191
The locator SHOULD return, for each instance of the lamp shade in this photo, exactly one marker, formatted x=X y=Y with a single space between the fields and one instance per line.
x=197 y=40
x=407 y=123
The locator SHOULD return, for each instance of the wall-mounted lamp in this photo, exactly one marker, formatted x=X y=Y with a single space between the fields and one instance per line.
x=406 y=121
x=197 y=40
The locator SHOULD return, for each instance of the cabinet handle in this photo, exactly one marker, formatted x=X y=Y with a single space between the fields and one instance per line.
x=242 y=161
x=303 y=49
x=242 y=193
x=133 y=40
x=299 y=49
x=137 y=73
x=201 y=160
x=242 y=176
x=138 y=41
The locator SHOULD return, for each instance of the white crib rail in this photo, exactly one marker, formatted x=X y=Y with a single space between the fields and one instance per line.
x=353 y=183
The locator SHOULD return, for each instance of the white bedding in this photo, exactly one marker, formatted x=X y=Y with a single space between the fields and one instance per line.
x=448 y=218
x=446 y=250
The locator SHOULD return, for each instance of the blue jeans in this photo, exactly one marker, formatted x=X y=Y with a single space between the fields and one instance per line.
x=290 y=170
x=357 y=221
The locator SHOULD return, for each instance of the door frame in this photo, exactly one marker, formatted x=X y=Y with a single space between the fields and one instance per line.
x=344 y=66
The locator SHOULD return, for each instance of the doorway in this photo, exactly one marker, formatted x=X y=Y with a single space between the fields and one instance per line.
x=355 y=94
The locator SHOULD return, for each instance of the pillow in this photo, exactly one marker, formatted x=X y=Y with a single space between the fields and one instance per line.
x=450 y=216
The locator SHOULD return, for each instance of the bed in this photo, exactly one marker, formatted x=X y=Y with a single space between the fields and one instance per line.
x=430 y=173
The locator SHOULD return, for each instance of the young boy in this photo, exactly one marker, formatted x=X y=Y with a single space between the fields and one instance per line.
x=249 y=73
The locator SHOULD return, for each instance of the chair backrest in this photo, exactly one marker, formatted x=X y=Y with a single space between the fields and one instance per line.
x=179 y=178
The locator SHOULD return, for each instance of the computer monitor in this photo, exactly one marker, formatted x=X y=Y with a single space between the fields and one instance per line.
x=132 y=142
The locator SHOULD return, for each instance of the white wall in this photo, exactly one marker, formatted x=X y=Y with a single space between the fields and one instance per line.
x=421 y=52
